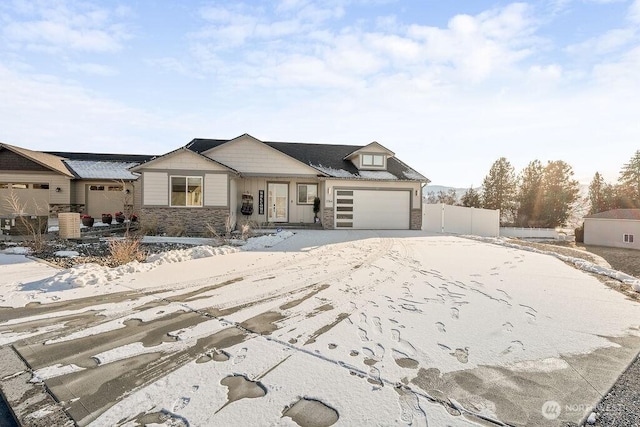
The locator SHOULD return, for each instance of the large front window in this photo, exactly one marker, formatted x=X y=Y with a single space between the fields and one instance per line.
x=186 y=191
x=306 y=193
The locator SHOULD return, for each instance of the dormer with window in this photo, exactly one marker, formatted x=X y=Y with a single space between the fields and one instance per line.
x=371 y=157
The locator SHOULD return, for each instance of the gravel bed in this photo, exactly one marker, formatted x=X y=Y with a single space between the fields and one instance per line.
x=95 y=252
x=621 y=406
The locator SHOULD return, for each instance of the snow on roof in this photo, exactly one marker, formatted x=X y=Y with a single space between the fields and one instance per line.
x=102 y=170
x=411 y=174
x=377 y=175
x=337 y=173
x=341 y=173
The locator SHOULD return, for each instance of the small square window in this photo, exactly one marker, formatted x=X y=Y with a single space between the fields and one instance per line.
x=307 y=193
x=627 y=238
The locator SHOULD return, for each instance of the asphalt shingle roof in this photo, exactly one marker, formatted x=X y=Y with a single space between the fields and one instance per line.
x=327 y=158
x=632 y=214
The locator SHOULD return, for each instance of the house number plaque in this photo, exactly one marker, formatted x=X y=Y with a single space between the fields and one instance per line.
x=261 y=202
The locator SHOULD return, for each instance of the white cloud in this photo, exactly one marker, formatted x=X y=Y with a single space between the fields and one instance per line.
x=634 y=12
x=93 y=69
x=53 y=27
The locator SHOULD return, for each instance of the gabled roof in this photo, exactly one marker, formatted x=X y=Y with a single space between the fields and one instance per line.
x=629 y=214
x=177 y=150
x=49 y=161
x=328 y=159
x=368 y=147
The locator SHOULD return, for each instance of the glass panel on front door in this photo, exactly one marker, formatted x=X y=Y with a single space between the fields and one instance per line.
x=278 y=194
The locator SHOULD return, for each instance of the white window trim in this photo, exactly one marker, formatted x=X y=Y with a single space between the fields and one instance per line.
x=364 y=165
x=627 y=238
x=186 y=184
x=298 y=193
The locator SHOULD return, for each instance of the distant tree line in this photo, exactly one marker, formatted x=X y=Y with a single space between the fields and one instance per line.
x=624 y=194
x=544 y=195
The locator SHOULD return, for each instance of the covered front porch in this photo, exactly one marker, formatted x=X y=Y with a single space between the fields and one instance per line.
x=277 y=200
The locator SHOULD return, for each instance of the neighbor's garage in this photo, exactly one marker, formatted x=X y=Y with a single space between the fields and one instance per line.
x=31 y=197
x=104 y=198
x=372 y=209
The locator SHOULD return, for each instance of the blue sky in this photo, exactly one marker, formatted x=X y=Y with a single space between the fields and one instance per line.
x=449 y=86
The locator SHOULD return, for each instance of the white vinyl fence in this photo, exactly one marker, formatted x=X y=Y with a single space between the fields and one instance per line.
x=441 y=218
x=530 y=233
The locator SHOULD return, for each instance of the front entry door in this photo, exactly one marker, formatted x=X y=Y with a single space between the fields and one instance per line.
x=277 y=202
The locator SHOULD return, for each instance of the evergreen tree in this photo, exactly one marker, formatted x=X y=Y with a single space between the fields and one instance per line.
x=499 y=189
x=530 y=192
x=471 y=198
x=629 y=183
x=560 y=192
x=600 y=195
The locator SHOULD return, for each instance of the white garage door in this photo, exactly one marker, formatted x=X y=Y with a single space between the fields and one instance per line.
x=104 y=199
x=372 y=209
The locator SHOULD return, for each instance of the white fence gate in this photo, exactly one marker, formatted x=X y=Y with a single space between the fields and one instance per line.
x=441 y=218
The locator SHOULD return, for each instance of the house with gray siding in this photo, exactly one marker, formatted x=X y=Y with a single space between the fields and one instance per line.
x=219 y=184
x=215 y=183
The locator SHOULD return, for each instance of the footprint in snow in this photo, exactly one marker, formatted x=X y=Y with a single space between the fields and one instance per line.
x=516 y=345
x=455 y=313
x=363 y=318
x=240 y=356
x=377 y=324
x=363 y=335
x=462 y=354
x=180 y=404
x=441 y=327
x=410 y=411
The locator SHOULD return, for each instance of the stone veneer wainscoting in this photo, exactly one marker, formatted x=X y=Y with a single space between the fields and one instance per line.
x=193 y=220
x=327 y=218
x=416 y=219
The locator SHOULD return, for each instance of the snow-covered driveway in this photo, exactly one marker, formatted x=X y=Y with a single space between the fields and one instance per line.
x=331 y=327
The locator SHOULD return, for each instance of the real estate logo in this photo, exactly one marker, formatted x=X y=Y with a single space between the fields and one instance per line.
x=551 y=409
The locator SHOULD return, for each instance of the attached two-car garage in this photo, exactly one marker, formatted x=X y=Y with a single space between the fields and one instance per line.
x=372 y=209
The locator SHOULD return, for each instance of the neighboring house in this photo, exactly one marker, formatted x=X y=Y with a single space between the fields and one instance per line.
x=207 y=182
x=46 y=183
x=618 y=228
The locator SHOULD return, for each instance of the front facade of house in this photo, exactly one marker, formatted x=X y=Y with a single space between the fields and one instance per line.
x=218 y=184
x=618 y=228
x=48 y=183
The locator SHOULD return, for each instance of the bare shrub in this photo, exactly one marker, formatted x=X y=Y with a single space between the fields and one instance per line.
x=149 y=225
x=247 y=229
x=126 y=250
x=212 y=231
x=34 y=229
x=176 y=230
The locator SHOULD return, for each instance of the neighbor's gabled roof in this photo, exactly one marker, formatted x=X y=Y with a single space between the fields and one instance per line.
x=629 y=214
x=101 y=165
x=328 y=159
x=49 y=161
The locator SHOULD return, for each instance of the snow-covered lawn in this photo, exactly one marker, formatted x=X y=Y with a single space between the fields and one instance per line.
x=322 y=328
